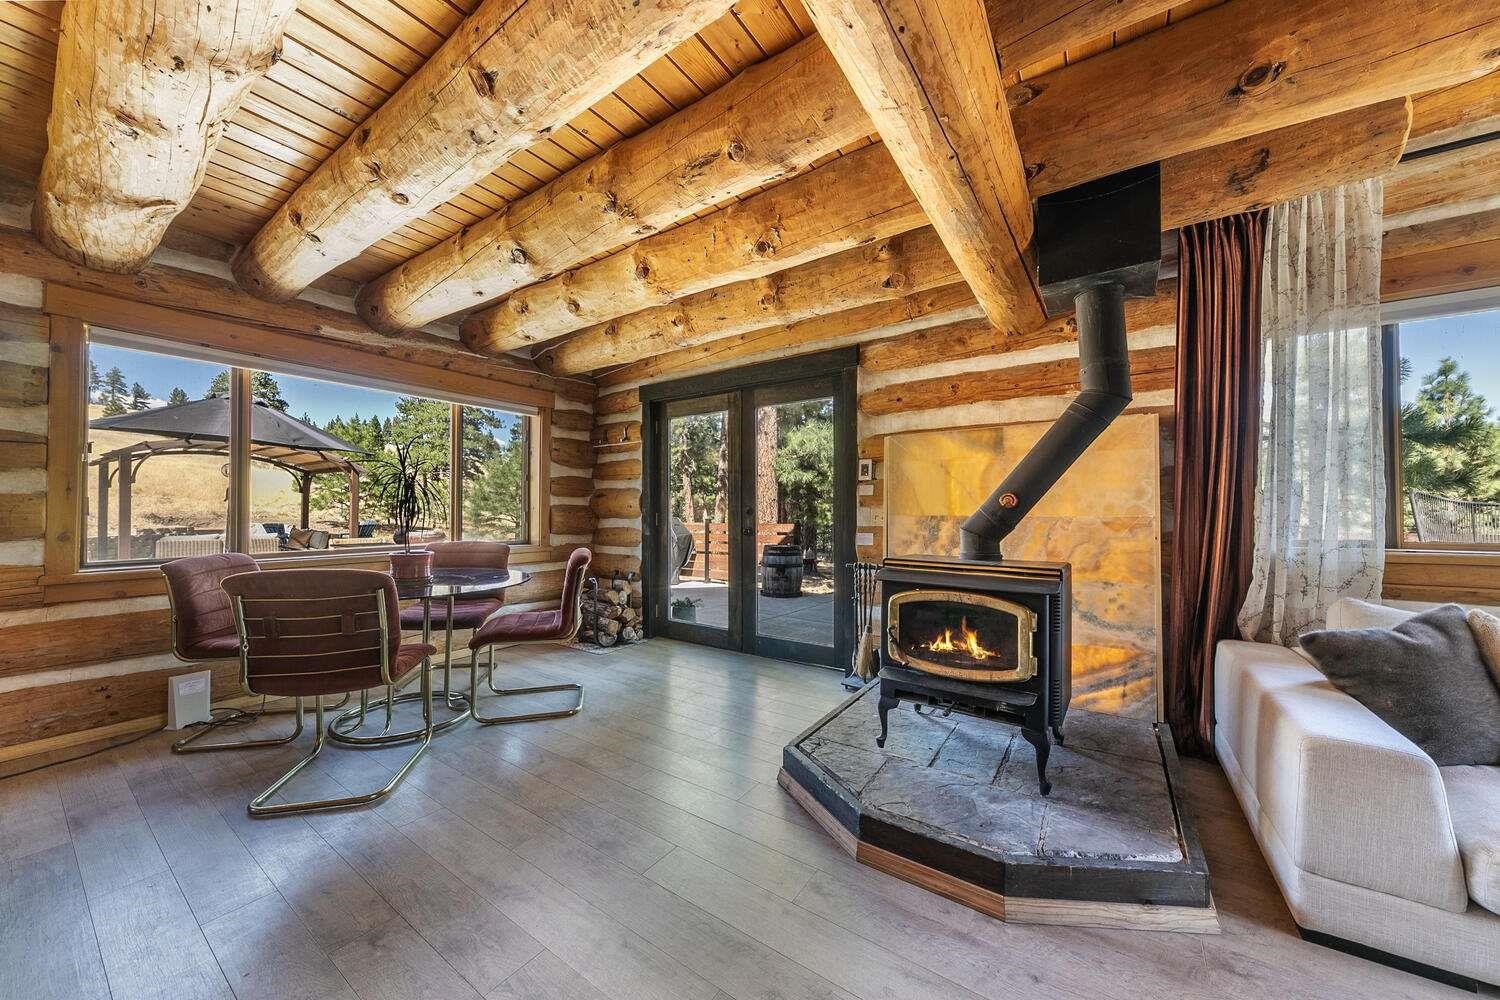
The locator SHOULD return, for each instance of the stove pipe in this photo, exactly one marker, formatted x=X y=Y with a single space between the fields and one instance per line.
x=1094 y=244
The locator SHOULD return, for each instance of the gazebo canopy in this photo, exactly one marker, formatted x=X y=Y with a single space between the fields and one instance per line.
x=201 y=426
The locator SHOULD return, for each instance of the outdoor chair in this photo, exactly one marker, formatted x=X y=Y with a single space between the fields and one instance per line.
x=318 y=632
x=307 y=538
x=557 y=626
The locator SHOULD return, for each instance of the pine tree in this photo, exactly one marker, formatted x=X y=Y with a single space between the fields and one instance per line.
x=95 y=381
x=114 y=392
x=140 y=399
x=177 y=397
x=263 y=387
x=1450 y=443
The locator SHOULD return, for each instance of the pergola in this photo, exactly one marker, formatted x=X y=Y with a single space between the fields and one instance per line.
x=201 y=427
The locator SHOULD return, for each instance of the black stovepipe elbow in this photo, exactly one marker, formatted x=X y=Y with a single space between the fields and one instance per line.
x=1104 y=378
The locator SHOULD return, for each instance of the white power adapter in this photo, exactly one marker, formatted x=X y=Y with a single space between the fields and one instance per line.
x=188 y=699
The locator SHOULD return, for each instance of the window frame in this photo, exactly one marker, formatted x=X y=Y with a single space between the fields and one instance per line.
x=1393 y=315
x=72 y=313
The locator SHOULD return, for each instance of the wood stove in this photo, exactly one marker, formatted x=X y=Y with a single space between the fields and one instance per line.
x=984 y=636
x=988 y=635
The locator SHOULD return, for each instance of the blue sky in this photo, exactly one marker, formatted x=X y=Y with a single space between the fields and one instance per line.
x=160 y=374
x=1473 y=340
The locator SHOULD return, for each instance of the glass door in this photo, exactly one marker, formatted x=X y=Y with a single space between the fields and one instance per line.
x=792 y=603
x=748 y=526
x=696 y=558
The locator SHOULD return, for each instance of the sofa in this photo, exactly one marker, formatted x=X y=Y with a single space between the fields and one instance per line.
x=1375 y=848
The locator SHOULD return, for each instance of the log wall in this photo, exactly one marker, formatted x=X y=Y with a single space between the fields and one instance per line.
x=85 y=659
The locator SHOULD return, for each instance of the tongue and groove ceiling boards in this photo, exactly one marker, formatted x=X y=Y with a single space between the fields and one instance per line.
x=606 y=184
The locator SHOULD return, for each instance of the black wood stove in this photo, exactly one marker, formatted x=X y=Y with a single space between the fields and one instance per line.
x=990 y=636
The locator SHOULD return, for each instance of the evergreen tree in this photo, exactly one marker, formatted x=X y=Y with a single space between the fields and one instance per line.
x=114 y=392
x=177 y=397
x=494 y=500
x=95 y=381
x=140 y=399
x=1450 y=444
x=263 y=387
x=804 y=472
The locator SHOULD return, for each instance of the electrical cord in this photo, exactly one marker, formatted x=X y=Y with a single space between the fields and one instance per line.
x=235 y=718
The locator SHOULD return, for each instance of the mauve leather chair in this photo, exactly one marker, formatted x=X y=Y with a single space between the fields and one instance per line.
x=468 y=613
x=559 y=625
x=309 y=633
x=203 y=626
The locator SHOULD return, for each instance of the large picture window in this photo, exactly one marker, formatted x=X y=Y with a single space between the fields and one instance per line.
x=161 y=480
x=1445 y=385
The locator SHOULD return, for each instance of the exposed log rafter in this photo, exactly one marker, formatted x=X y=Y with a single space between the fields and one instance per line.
x=852 y=200
x=507 y=76
x=1239 y=69
x=767 y=124
x=927 y=75
x=141 y=96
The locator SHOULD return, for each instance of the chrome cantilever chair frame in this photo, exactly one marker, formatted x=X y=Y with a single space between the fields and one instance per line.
x=575 y=617
x=261 y=805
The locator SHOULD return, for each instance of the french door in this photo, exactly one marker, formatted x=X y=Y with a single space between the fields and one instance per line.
x=749 y=525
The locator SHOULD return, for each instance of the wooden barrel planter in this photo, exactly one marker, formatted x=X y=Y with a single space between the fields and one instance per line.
x=781 y=571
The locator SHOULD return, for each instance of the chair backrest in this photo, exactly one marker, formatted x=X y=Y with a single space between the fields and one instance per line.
x=472 y=553
x=195 y=593
x=572 y=594
x=315 y=631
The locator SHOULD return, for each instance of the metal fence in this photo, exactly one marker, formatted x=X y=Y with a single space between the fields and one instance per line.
x=1443 y=519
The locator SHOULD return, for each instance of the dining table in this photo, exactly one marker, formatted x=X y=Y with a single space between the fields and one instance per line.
x=444 y=585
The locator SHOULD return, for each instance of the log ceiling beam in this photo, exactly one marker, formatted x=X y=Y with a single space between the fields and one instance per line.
x=927 y=75
x=140 y=97
x=1443 y=234
x=512 y=72
x=1239 y=69
x=950 y=304
x=1206 y=184
x=767 y=124
x=888 y=269
x=851 y=200
x=1026 y=31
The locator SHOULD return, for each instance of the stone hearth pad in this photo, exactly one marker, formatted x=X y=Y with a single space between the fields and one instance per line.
x=952 y=804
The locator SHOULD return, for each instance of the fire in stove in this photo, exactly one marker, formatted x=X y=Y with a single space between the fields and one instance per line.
x=969 y=644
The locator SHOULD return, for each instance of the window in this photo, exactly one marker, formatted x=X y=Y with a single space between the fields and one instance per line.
x=495 y=471
x=1445 y=432
x=150 y=490
x=321 y=456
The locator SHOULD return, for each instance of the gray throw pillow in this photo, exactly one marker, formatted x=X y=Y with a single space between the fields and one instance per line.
x=1424 y=677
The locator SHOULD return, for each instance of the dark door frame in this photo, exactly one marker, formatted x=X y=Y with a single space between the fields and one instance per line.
x=837 y=369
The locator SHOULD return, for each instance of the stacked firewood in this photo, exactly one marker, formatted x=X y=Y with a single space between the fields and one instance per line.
x=612 y=610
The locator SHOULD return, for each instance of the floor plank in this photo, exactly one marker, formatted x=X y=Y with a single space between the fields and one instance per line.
x=47 y=946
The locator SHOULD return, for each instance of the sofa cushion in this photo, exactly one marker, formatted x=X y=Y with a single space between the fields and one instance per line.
x=1486 y=629
x=1351 y=612
x=1425 y=678
x=1474 y=803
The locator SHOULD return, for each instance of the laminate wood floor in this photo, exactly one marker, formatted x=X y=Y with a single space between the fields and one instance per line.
x=640 y=849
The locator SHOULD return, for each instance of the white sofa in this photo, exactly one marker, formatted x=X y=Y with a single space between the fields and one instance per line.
x=1370 y=841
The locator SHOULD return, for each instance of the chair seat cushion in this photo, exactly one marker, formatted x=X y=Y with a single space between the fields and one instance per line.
x=409 y=655
x=519 y=626
x=466 y=614
x=218 y=646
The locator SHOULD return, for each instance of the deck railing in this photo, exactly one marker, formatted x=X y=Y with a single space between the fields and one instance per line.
x=1444 y=519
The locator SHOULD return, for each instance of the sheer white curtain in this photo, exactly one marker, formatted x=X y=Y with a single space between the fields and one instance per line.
x=1321 y=489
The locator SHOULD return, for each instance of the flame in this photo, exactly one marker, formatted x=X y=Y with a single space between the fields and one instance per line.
x=968 y=643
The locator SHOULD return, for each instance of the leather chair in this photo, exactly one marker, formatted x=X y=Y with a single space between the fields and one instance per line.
x=468 y=613
x=559 y=625
x=317 y=632
x=203 y=626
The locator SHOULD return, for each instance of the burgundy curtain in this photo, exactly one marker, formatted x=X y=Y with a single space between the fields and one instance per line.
x=1213 y=483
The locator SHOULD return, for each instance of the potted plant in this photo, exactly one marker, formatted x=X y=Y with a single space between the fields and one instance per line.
x=685 y=609
x=410 y=489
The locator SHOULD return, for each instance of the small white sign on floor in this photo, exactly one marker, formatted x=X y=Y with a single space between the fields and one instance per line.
x=188 y=699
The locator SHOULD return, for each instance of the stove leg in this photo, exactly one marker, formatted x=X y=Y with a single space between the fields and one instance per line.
x=885 y=706
x=1057 y=735
x=1039 y=742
